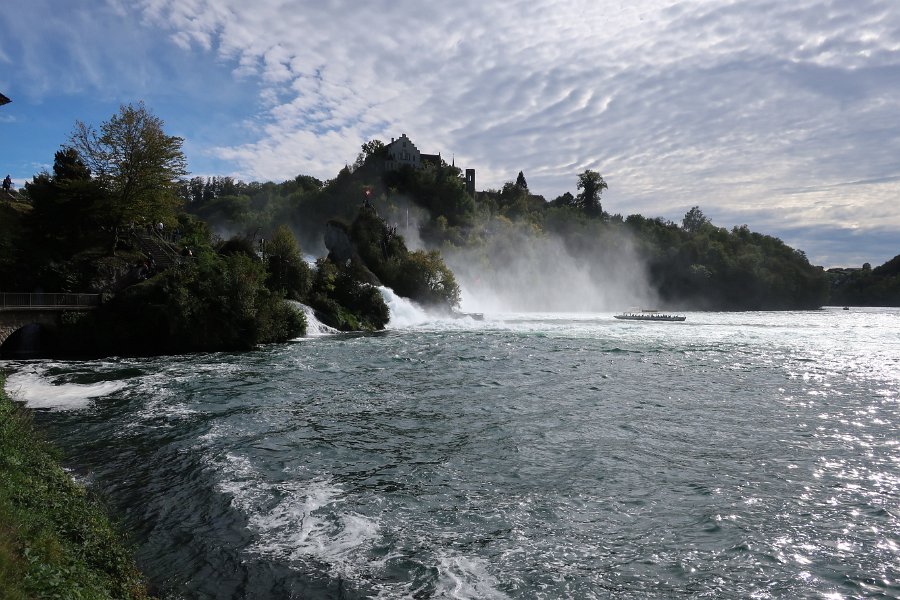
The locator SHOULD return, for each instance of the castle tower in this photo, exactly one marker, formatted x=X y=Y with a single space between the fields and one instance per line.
x=470 y=182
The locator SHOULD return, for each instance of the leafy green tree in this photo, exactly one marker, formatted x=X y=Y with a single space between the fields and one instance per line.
x=68 y=166
x=372 y=148
x=64 y=218
x=288 y=272
x=513 y=200
x=520 y=181
x=136 y=164
x=591 y=184
x=426 y=279
x=694 y=220
x=343 y=300
x=564 y=200
x=214 y=303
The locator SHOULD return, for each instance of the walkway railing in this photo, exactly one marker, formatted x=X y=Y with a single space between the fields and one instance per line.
x=44 y=301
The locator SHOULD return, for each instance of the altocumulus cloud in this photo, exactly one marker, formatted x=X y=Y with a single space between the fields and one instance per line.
x=780 y=115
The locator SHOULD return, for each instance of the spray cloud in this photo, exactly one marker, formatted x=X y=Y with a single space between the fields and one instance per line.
x=522 y=269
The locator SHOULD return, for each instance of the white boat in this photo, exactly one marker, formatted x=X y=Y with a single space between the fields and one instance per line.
x=649 y=315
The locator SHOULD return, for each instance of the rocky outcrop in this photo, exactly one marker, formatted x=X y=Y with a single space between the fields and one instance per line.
x=337 y=240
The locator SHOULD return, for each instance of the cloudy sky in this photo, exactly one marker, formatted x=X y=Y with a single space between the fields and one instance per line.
x=784 y=116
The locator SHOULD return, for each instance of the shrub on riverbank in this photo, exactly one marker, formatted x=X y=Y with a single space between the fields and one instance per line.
x=55 y=541
x=213 y=303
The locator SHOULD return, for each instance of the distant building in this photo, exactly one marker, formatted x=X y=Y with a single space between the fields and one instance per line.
x=431 y=159
x=401 y=152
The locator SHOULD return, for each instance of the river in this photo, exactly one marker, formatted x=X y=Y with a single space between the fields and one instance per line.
x=734 y=455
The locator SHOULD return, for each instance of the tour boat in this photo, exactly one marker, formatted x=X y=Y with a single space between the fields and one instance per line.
x=649 y=315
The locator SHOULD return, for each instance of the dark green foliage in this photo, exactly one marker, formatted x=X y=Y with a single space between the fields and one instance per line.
x=591 y=184
x=288 y=273
x=14 y=245
x=421 y=276
x=238 y=245
x=343 y=300
x=694 y=220
x=67 y=214
x=867 y=287
x=373 y=153
x=212 y=303
x=737 y=270
x=439 y=189
x=520 y=181
x=513 y=201
x=564 y=200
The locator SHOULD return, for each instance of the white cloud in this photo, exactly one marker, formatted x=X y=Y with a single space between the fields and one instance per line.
x=730 y=104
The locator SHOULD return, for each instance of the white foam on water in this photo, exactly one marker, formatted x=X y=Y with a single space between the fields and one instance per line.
x=404 y=313
x=466 y=579
x=306 y=524
x=300 y=520
x=37 y=391
x=314 y=327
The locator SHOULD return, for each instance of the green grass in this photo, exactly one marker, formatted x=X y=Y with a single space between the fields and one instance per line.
x=55 y=541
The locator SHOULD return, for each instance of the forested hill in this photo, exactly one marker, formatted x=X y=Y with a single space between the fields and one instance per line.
x=694 y=264
x=867 y=286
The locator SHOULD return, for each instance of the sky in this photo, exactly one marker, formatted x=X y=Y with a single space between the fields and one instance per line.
x=784 y=116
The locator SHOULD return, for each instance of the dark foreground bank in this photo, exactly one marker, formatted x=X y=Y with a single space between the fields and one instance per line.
x=55 y=540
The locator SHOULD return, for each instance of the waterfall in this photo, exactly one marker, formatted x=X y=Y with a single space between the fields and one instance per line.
x=404 y=312
x=314 y=327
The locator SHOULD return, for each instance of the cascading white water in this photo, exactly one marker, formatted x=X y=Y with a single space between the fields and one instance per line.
x=404 y=312
x=314 y=327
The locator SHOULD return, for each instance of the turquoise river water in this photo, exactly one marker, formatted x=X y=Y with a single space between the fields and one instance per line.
x=538 y=456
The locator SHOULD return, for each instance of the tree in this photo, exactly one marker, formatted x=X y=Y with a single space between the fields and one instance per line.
x=592 y=185
x=370 y=149
x=520 y=181
x=68 y=166
x=287 y=270
x=564 y=200
x=694 y=220
x=136 y=164
x=63 y=205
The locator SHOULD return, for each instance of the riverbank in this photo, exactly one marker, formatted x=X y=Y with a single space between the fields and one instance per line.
x=55 y=540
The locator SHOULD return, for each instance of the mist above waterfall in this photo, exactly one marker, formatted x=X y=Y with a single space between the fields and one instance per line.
x=524 y=270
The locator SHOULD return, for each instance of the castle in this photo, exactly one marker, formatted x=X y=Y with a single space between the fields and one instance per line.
x=403 y=153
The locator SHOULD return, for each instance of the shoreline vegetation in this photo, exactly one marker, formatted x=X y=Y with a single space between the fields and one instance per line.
x=56 y=540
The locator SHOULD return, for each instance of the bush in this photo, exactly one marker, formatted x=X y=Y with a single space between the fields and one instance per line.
x=215 y=303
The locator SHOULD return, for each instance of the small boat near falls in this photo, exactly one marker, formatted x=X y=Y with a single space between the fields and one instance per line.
x=649 y=315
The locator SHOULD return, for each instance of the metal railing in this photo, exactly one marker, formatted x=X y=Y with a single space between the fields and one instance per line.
x=36 y=301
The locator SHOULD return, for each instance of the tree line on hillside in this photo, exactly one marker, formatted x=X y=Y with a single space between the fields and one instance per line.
x=691 y=265
x=867 y=286
x=90 y=225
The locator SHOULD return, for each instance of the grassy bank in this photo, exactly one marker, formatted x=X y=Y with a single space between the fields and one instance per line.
x=55 y=541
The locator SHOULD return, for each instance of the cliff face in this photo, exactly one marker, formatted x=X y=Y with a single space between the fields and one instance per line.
x=337 y=240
